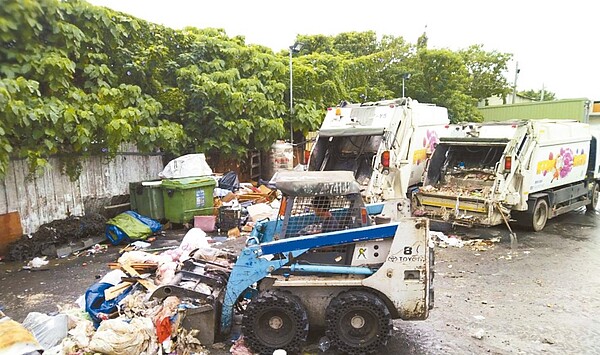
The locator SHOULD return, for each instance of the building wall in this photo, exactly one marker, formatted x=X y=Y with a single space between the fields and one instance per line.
x=53 y=196
x=578 y=109
x=498 y=100
x=595 y=119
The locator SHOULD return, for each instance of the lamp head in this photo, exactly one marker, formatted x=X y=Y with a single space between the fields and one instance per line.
x=296 y=47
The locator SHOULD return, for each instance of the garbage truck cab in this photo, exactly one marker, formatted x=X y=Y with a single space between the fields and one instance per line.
x=384 y=143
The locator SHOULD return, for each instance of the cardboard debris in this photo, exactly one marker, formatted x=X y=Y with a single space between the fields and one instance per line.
x=11 y=230
x=259 y=211
x=229 y=197
x=261 y=194
x=233 y=232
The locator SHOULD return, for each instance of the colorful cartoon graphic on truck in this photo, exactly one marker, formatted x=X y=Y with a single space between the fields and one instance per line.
x=561 y=165
x=430 y=141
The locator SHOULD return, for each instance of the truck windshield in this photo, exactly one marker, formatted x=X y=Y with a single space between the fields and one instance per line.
x=350 y=153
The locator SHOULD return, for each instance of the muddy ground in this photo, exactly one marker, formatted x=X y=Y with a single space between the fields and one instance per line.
x=541 y=297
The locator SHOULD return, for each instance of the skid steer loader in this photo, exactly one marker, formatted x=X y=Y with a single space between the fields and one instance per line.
x=349 y=278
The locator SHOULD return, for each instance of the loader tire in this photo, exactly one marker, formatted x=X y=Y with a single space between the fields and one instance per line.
x=358 y=322
x=275 y=320
x=539 y=216
x=595 y=199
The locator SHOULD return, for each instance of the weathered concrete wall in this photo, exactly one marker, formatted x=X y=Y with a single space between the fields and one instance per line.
x=54 y=196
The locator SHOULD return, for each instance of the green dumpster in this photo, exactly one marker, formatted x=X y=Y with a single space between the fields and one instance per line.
x=188 y=197
x=146 y=198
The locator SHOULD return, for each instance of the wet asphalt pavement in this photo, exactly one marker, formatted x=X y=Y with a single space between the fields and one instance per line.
x=540 y=297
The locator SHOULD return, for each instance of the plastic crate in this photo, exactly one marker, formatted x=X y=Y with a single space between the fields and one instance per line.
x=229 y=218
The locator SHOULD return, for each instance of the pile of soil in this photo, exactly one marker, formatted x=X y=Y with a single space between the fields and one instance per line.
x=55 y=234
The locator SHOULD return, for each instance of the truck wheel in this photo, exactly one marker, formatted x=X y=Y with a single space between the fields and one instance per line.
x=539 y=217
x=275 y=320
x=358 y=322
x=595 y=202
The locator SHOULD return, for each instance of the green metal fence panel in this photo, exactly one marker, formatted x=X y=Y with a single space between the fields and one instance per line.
x=574 y=109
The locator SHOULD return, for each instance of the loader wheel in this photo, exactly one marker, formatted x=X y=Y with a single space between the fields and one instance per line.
x=358 y=322
x=539 y=217
x=275 y=320
x=595 y=202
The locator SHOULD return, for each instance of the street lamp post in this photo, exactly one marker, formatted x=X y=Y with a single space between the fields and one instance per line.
x=405 y=76
x=295 y=48
x=514 y=93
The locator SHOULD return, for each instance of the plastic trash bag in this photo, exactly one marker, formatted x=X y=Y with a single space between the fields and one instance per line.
x=97 y=306
x=48 y=330
x=16 y=339
x=229 y=181
x=186 y=166
x=118 y=337
x=129 y=226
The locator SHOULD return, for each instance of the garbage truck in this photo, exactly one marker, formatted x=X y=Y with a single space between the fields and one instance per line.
x=526 y=172
x=384 y=143
x=294 y=275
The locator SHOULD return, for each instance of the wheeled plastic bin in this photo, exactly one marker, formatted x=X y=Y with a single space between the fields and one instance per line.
x=188 y=197
x=146 y=198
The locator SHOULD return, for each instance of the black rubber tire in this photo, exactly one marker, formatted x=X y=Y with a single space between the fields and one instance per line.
x=372 y=322
x=594 y=205
x=539 y=216
x=275 y=320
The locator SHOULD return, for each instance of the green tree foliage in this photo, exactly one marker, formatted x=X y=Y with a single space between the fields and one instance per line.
x=537 y=95
x=456 y=80
x=59 y=93
x=77 y=79
x=485 y=72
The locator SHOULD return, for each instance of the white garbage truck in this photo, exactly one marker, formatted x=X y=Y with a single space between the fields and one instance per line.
x=485 y=174
x=385 y=144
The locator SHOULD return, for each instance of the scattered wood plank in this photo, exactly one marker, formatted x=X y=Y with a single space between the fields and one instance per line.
x=148 y=285
x=130 y=270
x=139 y=267
x=114 y=291
x=11 y=230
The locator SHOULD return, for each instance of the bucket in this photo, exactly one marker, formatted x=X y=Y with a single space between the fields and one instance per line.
x=206 y=223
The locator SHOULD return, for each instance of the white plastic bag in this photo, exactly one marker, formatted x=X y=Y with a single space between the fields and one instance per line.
x=48 y=330
x=117 y=337
x=193 y=239
x=186 y=166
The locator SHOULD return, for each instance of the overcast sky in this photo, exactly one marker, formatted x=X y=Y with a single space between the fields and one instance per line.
x=556 y=46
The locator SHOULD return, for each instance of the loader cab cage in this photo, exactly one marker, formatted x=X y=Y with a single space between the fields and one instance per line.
x=316 y=202
x=304 y=214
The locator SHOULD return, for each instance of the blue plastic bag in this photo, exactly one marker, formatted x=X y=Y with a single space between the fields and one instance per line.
x=129 y=226
x=96 y=304
x=153 y=224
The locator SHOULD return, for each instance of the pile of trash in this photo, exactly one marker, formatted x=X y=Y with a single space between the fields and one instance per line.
x=51 y=235
x=123 y=313
x=443 y=241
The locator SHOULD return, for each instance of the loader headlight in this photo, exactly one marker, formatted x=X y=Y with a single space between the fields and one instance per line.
x=413 y=275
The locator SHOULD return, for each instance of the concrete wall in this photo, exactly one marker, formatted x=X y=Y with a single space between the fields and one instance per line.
x=53 y=196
